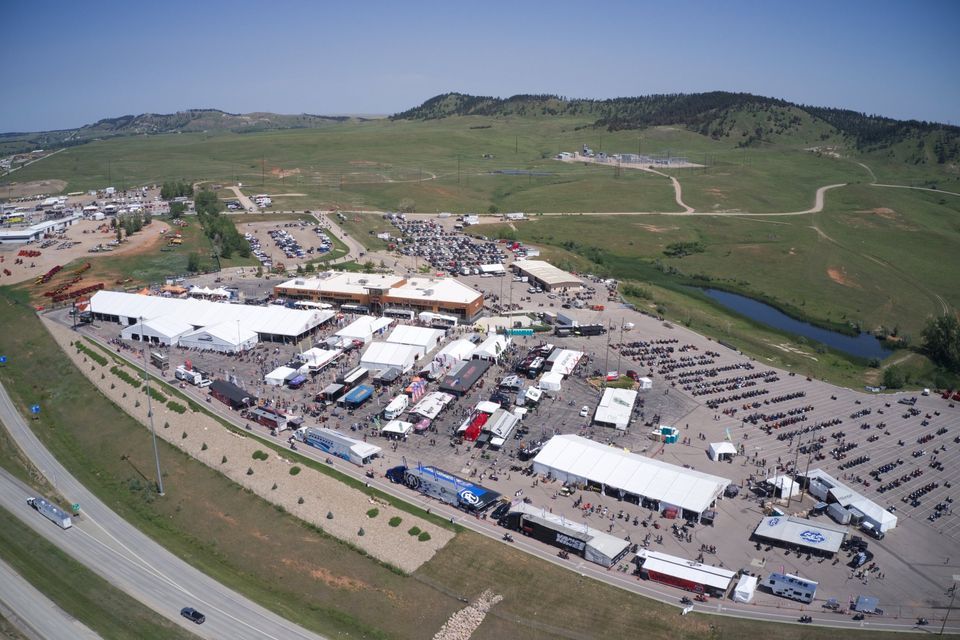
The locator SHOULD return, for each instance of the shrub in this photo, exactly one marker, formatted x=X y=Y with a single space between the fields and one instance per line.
x=176 y=407
x=184 y=436
x=274 y=487
x=156 y=395
x=373 y=513
x=414 y=531
x=166 y=425
x=300 y=500
x=423 y=537
x=126 y=377
x=294 y=470
x=361 y=532
x=260 y=455
x=223 y=460
x=90 y=353
x=395 y=521
x=249 y=471
x=203 y=447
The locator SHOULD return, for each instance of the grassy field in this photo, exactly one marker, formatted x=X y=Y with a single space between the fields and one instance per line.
x=364 y=227
x=77 y=590
x=291 y=568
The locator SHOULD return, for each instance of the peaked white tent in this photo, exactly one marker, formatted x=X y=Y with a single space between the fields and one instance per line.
x=424 y=338
x=225 y=337
x=551 y=381
x=386 y=355
x=279 y=375
x=721 y=451
x=746 y=587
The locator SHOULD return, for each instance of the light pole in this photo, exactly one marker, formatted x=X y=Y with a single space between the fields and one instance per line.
x=953 y=594
x=156 y=452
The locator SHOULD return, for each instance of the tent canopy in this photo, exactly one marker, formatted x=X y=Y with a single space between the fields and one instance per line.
x=718 y=449
x=279 y=375
x=746 y=587
x=551 y=381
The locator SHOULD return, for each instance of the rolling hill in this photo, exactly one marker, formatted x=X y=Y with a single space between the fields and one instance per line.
x=747 y=119
x=189 y=121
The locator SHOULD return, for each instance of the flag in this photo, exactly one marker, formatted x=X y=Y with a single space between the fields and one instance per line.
x=686 y=610
x=727 y=432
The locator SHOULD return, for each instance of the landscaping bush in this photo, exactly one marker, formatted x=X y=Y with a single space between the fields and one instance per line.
x=294 y=470
x=90 y=353
x=373 y=513
x=156 y=395
x=176 y=407
x=423 y=537
x=126 y=377
x=395 y=521
x=414 y=531
x=249 y=471
x=260 y=455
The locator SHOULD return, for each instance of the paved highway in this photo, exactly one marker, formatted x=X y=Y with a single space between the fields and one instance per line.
x=34 y=614
x=131 y=561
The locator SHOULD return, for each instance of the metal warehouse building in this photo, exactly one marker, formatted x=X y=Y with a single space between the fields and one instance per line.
x=546 y=275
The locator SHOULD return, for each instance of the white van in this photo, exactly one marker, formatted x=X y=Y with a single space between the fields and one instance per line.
x=396 y=407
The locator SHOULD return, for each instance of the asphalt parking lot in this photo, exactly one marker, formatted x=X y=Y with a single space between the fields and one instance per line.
x=914 y=563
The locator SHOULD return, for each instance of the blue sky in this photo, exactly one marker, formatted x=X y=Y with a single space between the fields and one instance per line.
x=71 y=63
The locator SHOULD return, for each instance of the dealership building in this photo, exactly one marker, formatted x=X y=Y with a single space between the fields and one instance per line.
x=386 y=292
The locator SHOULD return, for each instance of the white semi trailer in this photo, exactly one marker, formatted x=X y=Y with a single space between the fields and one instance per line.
x=52 y=512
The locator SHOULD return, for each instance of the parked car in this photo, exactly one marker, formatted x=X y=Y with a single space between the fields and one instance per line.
x=584 y=411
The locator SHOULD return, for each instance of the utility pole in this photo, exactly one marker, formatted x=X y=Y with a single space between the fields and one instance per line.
x=953 y=594
x=156 y=452
x=263 y=171
x=458 y=169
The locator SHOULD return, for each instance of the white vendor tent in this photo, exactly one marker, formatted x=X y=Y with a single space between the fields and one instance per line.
x=226 y=337
x=397 y=428
x=432 y=404
x=491 y=348
x=454 y=352
x=279 y=376
x=565 y=361
x=163 y=330
x=364 y=328
x=746 y=587
x=722 y=451
x=645 y=384
x=316 y=358
x=386 y=355
x=615 y=408
x=424 y=338
x=570 y=458
x=550 y=381
x=784 y=486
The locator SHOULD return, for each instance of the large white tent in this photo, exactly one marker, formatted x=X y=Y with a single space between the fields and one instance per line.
x=432 y=404
x=491 y=348
x=316 y=358
x=551 y=381
x=398 y=428
x=615 y=408
x=364 y=328
x=565 y=361
x=272 y=322
x=386 y=355
x=163 y=330
x=424 y=338
x=570 y=458
x=454 y=352
x=225 y=337
x=279 y=375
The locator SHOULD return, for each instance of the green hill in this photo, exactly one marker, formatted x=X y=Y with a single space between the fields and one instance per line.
x=746 y=119
x=189 y=121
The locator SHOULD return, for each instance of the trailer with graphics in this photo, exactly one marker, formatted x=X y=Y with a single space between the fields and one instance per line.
x=51 y=512
x=445 y=487
x=573 y=537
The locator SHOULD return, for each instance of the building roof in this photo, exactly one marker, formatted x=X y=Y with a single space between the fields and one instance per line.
x=636 y=474
x=231 y=392
x=228 y=332
x=695 y=572
x=272 y=319
x=169 y=326
x=547 y=273
x=417 y=288
x=616 y=406
x=822 y=536
x=418 y=336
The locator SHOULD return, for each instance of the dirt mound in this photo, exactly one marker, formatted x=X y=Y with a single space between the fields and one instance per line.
x=277 y=172
x=34 y=188
x=840 y=277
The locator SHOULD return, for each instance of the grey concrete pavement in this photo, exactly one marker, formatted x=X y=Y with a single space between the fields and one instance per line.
x=35 y=615
x=136 y=564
